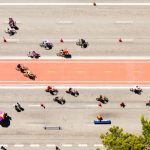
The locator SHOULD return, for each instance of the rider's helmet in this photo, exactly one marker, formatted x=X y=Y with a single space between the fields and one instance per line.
x=65 y=51
x=19 y=66
x=70 y=89
x=49 y=87
x=57 y=148
x=82 y=41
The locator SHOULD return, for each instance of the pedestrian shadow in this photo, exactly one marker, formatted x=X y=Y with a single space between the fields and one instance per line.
x=5 y=123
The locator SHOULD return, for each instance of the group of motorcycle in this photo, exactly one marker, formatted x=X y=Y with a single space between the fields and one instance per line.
x=45 y=44
x=26 y=72
x=58 y=99
x=104 y=100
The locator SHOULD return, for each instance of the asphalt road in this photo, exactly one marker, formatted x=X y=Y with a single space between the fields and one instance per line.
x=75 y=117
x=101 y=27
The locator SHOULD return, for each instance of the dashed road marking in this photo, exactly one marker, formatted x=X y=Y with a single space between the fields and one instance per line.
x=6 y=22
x=12 y=40
x=34 y=105
x=108 y=71
x=51 y=71
x=34 y=145
x=65 y=22
x=92 y=105
x=124 y=21
x=136 y=71
x=18 y=145
x=98 y=145
x=5 y=145
x=50 y=145
x=80 y=71
x=67 y=145
x=82 y=145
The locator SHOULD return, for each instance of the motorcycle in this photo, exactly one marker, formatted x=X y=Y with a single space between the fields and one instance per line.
x=62 y=55
x=123 y=105
x=136 y=91
x=53 y=91
x=82 y=44
x=11 y=32
x=73 y=92
x=47 y=45
x=3 y=148
x=33 y=54
x=13 y=26
x=59 y=100
x=22 y=68
x=102 y=99
x=30 y=76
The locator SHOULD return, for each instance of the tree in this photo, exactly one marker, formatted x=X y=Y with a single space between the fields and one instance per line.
x=115 y=139
x=146 y=131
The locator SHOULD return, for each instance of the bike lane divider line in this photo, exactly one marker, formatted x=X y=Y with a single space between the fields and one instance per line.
x=18 y=145
x=34 y=145
x=82 y=145
x=108 y=71
x=80 y=71
x=67 y=145
x=51 y=71
x=136 y=71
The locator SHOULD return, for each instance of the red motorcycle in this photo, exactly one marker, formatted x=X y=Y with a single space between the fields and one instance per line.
x=73 y=92
x=52 y=90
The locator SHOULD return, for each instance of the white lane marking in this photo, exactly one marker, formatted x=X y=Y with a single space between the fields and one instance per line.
x=92 y=105
x=82 y=145
x=127 y=40
x=50 y=145
x=124 y=21
x=67 y=145
x=76 y=59
x=92 y=87
x=34 y=105
x=12 y=40
x=34 y=145
x=65 y=22
x=98 y=145
x=5 y=145
x=74 y=4
x=72 y=82
x=69 y=40
x=18 y=145
x=79 y=58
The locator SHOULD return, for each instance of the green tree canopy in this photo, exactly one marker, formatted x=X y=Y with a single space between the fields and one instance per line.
x=116 y=139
